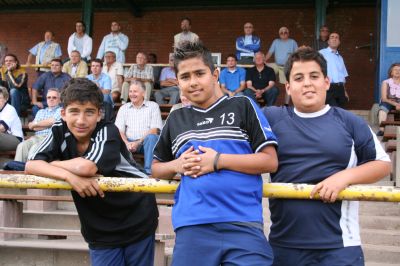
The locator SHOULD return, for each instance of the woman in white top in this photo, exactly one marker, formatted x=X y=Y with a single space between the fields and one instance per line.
x=10 y=124
x=390 y=95
x=80 y=41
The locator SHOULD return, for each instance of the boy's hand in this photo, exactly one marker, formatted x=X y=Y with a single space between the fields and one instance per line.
x=183 y=159
x=198 y=164
x=330 y=188
x=85 y=186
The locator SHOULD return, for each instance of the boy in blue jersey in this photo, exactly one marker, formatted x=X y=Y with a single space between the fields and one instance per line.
x=118 y=226
x=219 y=145
x=326 y=146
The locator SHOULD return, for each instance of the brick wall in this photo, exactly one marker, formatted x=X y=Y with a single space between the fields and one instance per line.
x=154 y=31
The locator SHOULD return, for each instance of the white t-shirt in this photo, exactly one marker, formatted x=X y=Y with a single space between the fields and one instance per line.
x=10 y=120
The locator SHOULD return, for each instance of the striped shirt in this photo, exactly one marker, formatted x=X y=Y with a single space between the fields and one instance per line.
x=44 y=114
x=136 y=122
x=135 y=71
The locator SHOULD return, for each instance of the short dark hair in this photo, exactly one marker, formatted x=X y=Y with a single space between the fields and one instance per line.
x=16 y=60
x=231 y=55
x=305 y=54
x=187 y=50
x=81 y=90
x=57 y=60
x=52 y=33
x=334 y=32
x=98 y=60
x=188 y=19
x=83 y=24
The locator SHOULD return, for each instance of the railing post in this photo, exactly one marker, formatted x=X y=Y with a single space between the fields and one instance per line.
x=10 y=216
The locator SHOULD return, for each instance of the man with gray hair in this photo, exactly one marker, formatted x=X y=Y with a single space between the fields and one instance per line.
x=42 y=124
x=139 y=123
x=169 y=84
x=281 y=49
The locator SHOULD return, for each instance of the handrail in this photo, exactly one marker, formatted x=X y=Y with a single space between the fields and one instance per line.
x=149 y=185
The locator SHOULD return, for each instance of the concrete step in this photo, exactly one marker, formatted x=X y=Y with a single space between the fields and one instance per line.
x=380 y=208
x=51 y=219
x=380 y=237
x=380 y=222
x=381 y=254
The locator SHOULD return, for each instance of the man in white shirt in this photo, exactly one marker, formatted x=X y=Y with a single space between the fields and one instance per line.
x=186 y=34
x=80 y=41
x=116 y=42
x=115 y=70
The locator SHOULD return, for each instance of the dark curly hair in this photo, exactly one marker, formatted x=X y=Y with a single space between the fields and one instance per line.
x=188 y=50
x=81 y=90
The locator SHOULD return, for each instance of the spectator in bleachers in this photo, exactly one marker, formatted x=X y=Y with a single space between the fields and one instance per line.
x=184 y=103
x=115 y=71
x=260 y=81
x=44 y=52
x=281 y=49
x=322 y=41
x=55 y=78
x=152 y=59
x=247 y=45
x=139 y=123
x=80 y=41
x=169 y=84
x=75 y=67
x=390 y=95
x=42 y=123
x=3 y=52
x=232 y=78
x=10 y=125
x=337 y=72
x=186 y=34
x=15 y=79
x=116 y=42
x=102 y=80
x=139 y=72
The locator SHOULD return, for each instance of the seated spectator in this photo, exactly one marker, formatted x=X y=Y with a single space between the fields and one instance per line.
x=247 y=45
x=103 y=81
x=169 y=84
x=15 y=79
x=152 y=59
x=184 y=103
x=116 y=41
x=55 y=78
x=115 y=71
x=322 y=41
x=42 y=124
x=139 y=72
x=260 y=81
x=80 y=41
x=281 y=49
x=10 y=125
x=139 y=123
x=390 y=95
x=75 y=67
x=186 y=34
x=232 y=78
x=3 y=52
x=44 y=52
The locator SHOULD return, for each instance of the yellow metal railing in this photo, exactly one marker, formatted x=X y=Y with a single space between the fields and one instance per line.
x=271 y=190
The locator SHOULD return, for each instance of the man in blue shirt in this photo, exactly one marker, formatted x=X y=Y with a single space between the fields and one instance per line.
x=55 y=78
x=102 y=80
x=116 y=42
x=232 y=78
x=247 y=45
x=326 y=146
x=337 y=73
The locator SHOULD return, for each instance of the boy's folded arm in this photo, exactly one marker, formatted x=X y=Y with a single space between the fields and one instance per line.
x=163 y=170
x=78 y=166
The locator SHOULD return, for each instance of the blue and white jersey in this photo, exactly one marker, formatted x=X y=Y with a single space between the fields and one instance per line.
x=313 y=147
x=231 y=125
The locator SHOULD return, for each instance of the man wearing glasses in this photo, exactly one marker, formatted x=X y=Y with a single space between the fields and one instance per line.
x=42 y=123
x=247 y=45
x=281 y=49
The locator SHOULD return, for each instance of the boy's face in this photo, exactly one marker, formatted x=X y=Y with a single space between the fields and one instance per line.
x=81 y=119
x=197 y=82
x=307 y=86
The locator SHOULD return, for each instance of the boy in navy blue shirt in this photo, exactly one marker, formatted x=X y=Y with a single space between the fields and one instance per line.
x=220 y=145
x=118 y=226
x=326 y=146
